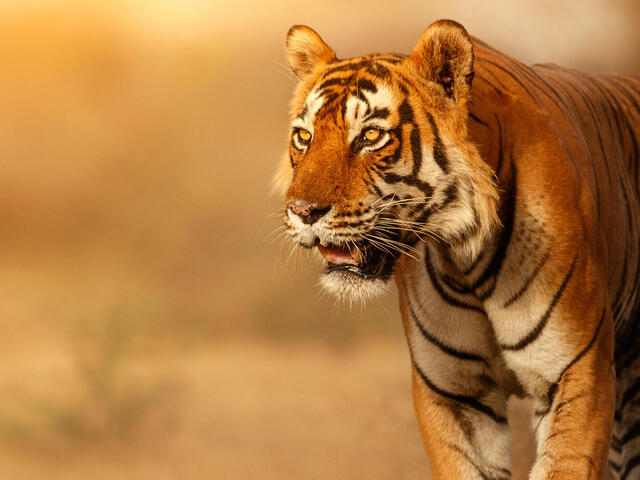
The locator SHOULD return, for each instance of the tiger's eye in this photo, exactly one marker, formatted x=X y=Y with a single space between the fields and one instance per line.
x=372 y=134
x=304 y=135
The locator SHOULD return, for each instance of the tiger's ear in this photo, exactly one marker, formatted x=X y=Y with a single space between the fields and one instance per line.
x=444 y=55
x=305 y=49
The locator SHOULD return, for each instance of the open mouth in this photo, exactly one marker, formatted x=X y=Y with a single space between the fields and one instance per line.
x=361 y=258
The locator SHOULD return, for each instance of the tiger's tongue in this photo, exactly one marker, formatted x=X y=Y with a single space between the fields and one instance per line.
x=338 y=255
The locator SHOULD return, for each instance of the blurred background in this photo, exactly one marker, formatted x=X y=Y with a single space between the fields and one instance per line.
x=153 y=325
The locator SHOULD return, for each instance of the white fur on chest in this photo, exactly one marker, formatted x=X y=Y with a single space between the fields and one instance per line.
x=490 y=327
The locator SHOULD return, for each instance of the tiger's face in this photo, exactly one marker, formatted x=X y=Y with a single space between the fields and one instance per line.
x=378 y=160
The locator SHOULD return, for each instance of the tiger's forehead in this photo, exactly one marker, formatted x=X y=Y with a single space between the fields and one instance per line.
x=352 y=93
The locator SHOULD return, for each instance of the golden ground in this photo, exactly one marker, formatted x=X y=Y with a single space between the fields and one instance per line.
x=233 y=411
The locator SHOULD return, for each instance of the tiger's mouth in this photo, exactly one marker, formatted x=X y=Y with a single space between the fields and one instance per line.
x=361 y=259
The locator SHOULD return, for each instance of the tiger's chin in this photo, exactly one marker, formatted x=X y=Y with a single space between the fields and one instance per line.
x=356 y=273
x=350 y=287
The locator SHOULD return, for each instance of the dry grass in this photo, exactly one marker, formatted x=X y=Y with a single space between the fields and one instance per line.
x=291 y=411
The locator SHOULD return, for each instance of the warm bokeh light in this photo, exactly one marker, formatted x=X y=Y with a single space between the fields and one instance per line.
x=154 y=326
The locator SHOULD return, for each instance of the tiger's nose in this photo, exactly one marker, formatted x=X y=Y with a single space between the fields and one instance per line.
x=308 y=212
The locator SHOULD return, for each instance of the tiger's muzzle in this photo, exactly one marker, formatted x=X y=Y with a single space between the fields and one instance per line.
x=357 y=255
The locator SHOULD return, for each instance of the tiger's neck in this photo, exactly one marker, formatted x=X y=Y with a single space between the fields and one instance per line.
x=475 y=276
x=489 y=123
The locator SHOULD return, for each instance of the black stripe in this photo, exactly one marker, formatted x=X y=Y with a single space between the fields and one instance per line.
x=612 y=102
x=349 y=65
x=554 y=387
x=380 y=113
x=533 y=334
x=343 y=105
x=355 y=92
x=388 y=161
x=470 y=402
x=635 y=154
x=473 y=117
x=490 y=84
x=628 y=353
x=591 y=109
x=542 y=83
x=561 y=83
x=614 y=111
x=632 y=463
x=500 y=152
x=455 y=285
x=450 y=193
x=474 y=264
x=532 y=75
x=592 y=94
x=629 y=394
x=391 y=60
x=514 y=77
x=437 y=342
x=416 y=150
x=436 y=283
x=502 y=85
x=391 y=177
x=340 y=81
x=439 y=152
x=559 y=101
x=424 y=212
x=622 y=87
x=378 y=70
x=366 y=85
x=405 y=112
x=615 y=444
x=632 y=433
x=625 y=264
x=633 y=161
x=489 y=291
x=508 y=213
x=330 y=105
x=403 y=87
x=527 y=282
x=375 y=189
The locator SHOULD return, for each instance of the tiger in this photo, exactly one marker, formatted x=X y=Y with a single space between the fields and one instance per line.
x=502 y=201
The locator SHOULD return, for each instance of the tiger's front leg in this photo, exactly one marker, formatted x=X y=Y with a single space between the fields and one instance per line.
x=558 y=340
x=462 y=438
x=460 y=405
x=573 y=424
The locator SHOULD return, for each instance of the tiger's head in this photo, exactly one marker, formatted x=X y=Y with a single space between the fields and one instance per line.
x=379 y=157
